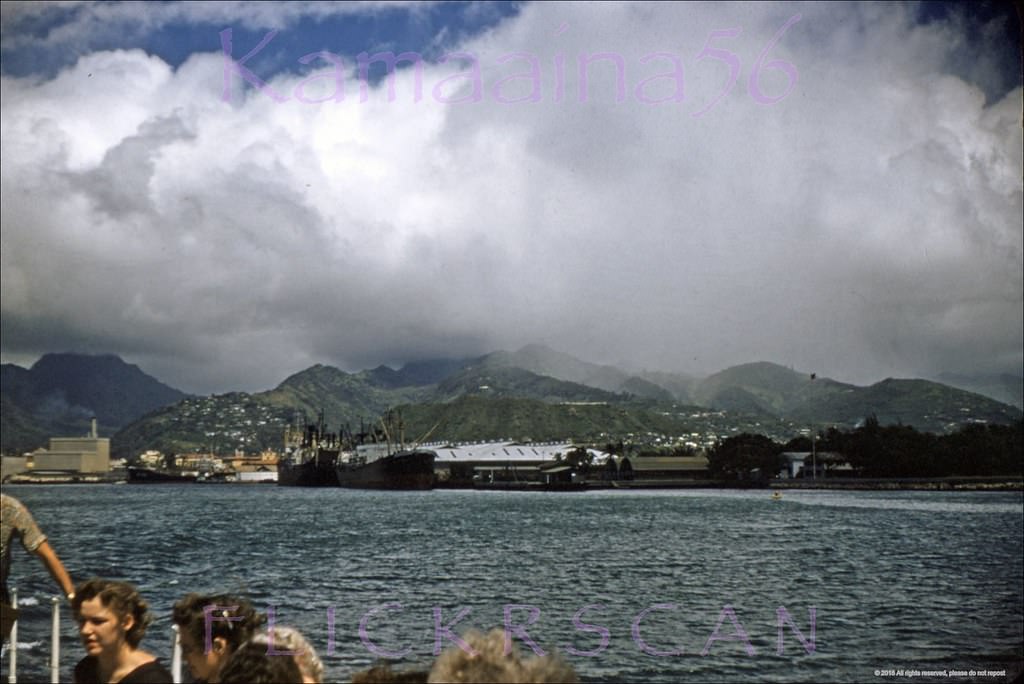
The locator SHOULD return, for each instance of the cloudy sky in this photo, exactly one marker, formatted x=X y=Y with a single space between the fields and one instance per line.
x=225 y=193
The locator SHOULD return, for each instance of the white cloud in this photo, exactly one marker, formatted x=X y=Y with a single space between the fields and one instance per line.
x=866 y=225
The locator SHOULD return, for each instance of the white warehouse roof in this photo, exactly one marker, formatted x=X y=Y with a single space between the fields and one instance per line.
x=506 y=451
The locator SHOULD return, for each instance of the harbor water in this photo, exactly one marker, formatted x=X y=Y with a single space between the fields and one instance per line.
x=630 y=586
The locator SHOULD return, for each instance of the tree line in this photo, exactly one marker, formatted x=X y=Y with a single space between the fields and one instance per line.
x=874 y=450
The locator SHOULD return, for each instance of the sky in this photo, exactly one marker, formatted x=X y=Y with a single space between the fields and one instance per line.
x=227 y=193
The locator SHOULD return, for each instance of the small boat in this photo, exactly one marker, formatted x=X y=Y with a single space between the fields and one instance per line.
x=776 y=496
x=212 y=478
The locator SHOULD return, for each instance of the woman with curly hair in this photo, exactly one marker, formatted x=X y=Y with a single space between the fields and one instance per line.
x=490 y=659
x=112 y=619
x=290 y=640
x=251 y=664
x=212 y=627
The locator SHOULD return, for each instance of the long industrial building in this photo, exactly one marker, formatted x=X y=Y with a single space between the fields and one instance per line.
x=72 y=455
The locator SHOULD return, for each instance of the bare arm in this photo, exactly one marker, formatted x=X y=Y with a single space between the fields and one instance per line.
x=56 y=568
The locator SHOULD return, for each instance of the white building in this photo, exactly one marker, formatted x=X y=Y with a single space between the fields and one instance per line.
x=521 y=460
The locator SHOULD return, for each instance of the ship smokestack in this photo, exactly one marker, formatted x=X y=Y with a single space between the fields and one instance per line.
x=93 y=432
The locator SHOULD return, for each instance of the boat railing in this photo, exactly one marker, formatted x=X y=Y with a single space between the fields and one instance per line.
x=175 y=654
x=13 y=639
x=12 y=646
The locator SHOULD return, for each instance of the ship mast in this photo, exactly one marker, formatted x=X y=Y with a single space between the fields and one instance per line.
x=384 y=424
x=421 y=440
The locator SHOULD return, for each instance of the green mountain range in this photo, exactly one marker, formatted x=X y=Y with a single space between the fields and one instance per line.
x=61 y=394
x=535 y=393
x=1003 y=387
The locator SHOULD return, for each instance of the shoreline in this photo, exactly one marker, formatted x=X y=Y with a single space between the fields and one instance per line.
x=1003 y=483
x=962 y=484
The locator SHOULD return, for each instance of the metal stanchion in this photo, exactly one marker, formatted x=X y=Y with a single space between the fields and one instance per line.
x=176 y=655
x=55 y=637
x=13 y=643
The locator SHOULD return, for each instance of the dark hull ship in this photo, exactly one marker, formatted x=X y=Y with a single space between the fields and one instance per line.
x=311 y=470
x=369 y=469
x=380 y=460
x=310 y=458
x=153 y=476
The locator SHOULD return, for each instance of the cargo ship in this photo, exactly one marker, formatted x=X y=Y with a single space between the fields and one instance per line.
x=380 y=460
x=310 y=457
x=375 y=466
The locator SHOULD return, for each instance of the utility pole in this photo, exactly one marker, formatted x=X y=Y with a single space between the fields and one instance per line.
x=814 y=441
x=814 y=453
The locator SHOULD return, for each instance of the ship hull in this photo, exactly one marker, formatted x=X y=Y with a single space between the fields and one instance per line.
x=150 y=476
x=319 y=472
x=403 y=470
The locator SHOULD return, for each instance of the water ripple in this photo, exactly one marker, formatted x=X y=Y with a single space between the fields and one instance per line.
x=892 y=579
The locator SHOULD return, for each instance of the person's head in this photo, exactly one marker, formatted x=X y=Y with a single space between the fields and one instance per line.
x=290 y=640
x=110 y=615
x=488 y=662
x=251 y=664
x=231 y=622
